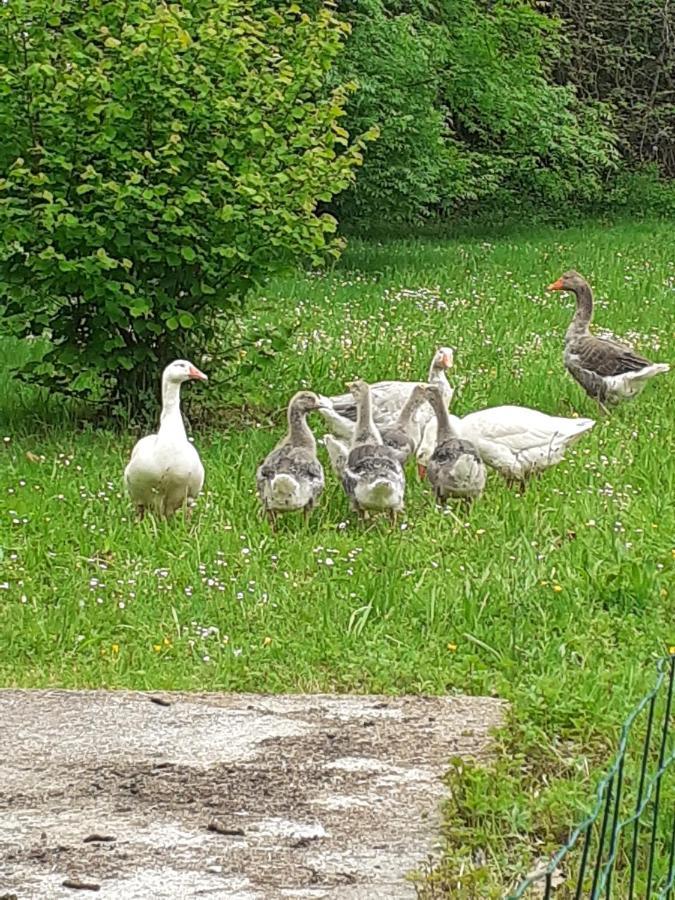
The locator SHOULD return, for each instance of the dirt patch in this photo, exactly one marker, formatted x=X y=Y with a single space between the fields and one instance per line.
x=228 y=796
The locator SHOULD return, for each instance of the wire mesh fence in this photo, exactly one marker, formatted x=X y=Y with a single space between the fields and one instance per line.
x=625 y=848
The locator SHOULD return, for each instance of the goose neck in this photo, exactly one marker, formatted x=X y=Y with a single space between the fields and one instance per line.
x=584 y=312
x=299 y=432
x=171 y=420
x=365 y=425
x=447 y=424
x=408 y=411
x=437 y=375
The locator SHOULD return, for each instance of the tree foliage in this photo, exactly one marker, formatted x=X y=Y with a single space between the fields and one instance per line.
x=467 y=112
x=624 y=54
x=396 y=63
x=156 y=161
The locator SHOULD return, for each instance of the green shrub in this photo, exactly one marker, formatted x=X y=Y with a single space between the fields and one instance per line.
x=516 y=137
x=643 y=191
x=157 y=160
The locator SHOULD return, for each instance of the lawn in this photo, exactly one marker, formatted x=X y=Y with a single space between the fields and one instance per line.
x=558 y=600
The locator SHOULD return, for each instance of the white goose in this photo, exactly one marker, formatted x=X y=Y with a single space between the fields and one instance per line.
x=388 y=399
x=516 y=441
x=165 y=470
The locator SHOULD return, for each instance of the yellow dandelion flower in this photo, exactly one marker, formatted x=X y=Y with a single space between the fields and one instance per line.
x=671 y=650
x=157 y=647
x=557 y=588
x=167 y=642
x=672 y=552
x=115 y=648
x=452 y=647
x=267 y=642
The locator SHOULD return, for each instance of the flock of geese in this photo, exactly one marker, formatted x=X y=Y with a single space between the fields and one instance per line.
x=375 y=429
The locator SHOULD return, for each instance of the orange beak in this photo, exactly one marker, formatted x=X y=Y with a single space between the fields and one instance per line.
x=556 y=286
x=197 y=375
x=421 y=471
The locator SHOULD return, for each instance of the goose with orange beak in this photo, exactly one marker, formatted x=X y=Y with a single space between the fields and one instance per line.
x=607 y=370
x=165 y=472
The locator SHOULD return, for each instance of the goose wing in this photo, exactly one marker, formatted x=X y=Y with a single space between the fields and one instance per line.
x=387 y=397
x=519 y=428
x=296 y=461
x=605 y=357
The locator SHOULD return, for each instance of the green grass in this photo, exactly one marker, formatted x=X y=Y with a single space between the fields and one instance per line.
x=558 y=600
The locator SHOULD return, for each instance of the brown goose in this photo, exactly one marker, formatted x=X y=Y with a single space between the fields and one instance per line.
x=371 y=473
x=609 y=372
x=455 y=468
x=291 y=477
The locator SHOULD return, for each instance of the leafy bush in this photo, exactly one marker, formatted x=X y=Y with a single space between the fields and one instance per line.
x=517 y=137
x=156 y=161
x=642 y=192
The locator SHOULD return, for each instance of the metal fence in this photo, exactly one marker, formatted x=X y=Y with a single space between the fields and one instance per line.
x=625 y=849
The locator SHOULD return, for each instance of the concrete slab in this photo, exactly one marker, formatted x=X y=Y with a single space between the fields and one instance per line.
x=245 y=797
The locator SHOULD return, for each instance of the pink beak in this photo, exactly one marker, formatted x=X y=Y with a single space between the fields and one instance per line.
x=421 y=471
x=197 y=375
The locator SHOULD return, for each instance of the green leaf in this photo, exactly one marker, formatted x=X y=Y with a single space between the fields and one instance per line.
x=188 y=253
x=139 y=308
x=107 y=261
